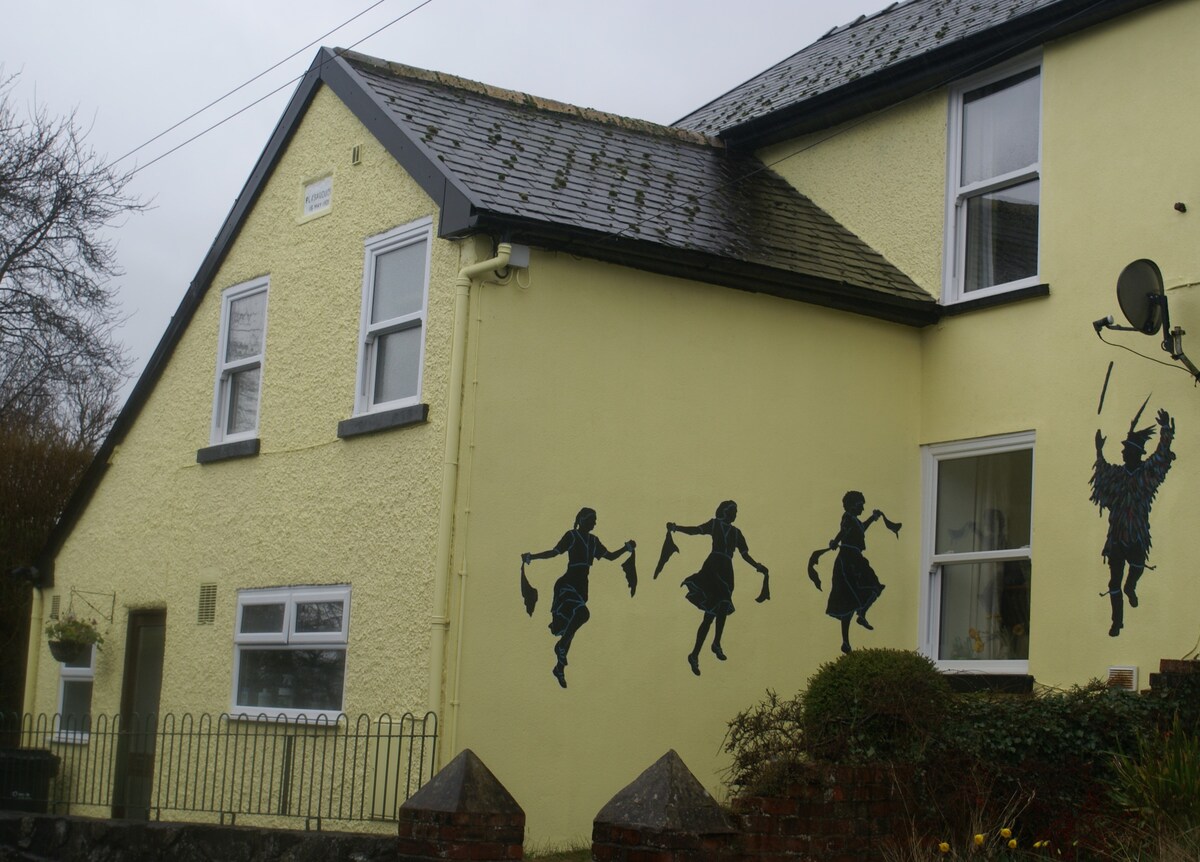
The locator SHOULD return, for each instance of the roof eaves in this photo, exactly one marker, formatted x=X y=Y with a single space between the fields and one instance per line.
x=716 y=269
x=931 y=70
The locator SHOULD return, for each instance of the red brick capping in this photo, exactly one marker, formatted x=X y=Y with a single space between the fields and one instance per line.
x=830 y=813
x=463 y=813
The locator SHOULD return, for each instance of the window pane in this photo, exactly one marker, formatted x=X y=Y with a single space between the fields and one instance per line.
x=319 y=617
x=246 y=319
x=260 y=619
x=291 y=679
x=397 y=361
x=243 y=401
x=985 y=611
x=76 y=705
x=1000 y=128
x=983 y=503
x=1002 y=236
x=399 y=282
x=84 y=661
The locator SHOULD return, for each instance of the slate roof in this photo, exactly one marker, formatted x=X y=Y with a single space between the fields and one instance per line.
x=902 y=49
x=609 y=186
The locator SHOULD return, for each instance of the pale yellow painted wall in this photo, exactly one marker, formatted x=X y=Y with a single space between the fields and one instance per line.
x=883 y=177
x=653 y=399
x=1120 y=115
x=310 y=508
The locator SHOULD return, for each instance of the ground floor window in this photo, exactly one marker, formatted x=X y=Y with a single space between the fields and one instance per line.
x=75 y=680
x=976 y=551
x=290 y=651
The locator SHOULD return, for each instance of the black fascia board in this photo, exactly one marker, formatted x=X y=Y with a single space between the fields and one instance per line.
x=927 y=72
x=455 y=202
x=713 y=269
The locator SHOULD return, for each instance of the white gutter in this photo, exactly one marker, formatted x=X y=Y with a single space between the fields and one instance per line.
x=440 y=622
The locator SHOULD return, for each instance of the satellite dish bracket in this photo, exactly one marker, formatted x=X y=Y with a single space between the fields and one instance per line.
x=1133 y=277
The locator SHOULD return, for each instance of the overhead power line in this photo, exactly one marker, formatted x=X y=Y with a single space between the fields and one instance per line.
x=263 y=98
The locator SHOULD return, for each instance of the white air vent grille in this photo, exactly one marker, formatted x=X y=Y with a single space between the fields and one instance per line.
x=1123 y=676
x=207 y=612
x=55 y=607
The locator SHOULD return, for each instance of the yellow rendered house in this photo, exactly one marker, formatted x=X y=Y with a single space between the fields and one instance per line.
x=839 y=335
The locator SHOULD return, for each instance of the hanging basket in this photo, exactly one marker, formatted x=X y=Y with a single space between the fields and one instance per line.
x=67 y=651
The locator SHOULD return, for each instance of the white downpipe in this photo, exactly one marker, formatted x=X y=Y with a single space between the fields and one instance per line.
x=441 y=622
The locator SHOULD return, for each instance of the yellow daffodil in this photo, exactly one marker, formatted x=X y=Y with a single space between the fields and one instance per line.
x=943 y=847
x=1006 y=832
x=1012 y=844
x=978 y=839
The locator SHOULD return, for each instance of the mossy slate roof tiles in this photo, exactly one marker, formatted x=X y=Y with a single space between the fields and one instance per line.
x=868 y=46
x=534 y=161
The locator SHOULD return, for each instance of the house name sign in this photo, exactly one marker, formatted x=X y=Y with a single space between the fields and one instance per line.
x=318 y=196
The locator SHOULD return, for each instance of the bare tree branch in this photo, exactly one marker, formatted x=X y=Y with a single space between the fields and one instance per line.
x=60 y=362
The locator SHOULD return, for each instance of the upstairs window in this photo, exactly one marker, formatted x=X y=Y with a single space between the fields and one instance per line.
x=290 y=651
x=239 y=362
x=993 y=187
x=392 y=340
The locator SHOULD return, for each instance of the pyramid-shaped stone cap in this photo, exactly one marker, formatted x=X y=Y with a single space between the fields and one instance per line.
x=464 y=786
x=667 y=797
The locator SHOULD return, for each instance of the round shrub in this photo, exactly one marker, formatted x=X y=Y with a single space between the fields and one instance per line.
x=872 y=705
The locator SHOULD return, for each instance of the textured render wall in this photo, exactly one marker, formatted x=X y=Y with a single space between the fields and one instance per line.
x=652 y=400
x=1119 y=118
x=883 y=177
x=1119 y=109
x=309 y=509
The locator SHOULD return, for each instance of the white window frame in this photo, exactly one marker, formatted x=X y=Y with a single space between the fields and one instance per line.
x=287 y=638
x=225 y=370
x=67 y=674
x=410 y=234
x=957 y=195
x=930 y=613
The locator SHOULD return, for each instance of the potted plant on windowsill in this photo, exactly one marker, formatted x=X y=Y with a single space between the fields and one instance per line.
x=70 y=637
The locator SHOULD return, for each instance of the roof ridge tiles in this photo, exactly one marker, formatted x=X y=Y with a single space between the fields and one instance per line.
x=530 y=101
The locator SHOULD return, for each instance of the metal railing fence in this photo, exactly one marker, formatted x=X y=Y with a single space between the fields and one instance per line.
x=226 y=765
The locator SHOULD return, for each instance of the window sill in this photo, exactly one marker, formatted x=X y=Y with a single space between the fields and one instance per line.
x=1018 y=295
x=369 y=423
x=226 y=451
x=70 y=737
x=963 y=682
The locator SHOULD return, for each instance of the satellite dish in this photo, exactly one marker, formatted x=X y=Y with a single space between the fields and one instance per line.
x=1138 y=288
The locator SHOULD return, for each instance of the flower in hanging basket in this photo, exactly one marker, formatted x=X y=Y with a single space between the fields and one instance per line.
x=70 y=636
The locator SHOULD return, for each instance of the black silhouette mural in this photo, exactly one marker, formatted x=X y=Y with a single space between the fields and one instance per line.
x=568 y=610
x=854 y=585
x=711 y=588
x=1127 y=490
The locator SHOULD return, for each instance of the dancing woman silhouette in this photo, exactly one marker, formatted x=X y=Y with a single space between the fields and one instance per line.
x=568 y=610
x=711 y=588
x=855 y=586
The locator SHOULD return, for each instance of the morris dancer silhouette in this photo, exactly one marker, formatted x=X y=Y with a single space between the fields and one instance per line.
x=855 y=587
x=711 y=588
x=568 y=610
x=1127 y=490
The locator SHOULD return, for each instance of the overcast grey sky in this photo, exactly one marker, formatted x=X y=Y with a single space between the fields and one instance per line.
x=133 y=68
